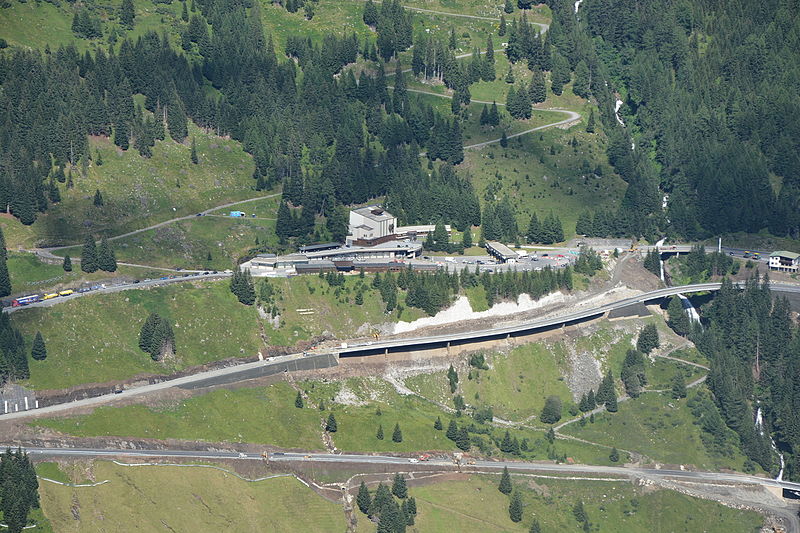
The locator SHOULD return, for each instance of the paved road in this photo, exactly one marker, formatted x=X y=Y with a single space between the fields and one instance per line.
x=189 y=275
x=402 y=463
x=176 y=219
x=541 y=323
x=405 y=343
x=288 y=457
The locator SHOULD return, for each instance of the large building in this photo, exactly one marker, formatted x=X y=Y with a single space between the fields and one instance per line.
x=784 y=261
x=371 y=223
x=341 y=258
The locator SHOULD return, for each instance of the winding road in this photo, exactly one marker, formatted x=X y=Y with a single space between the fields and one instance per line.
x=251 y=370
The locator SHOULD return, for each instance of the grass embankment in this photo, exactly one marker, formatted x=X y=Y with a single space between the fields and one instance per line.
x=264 y=415
x=95 y=338
x=186 y=499
x=269 y=416
x=310 y=307
x=659 y=427
x=477 y=506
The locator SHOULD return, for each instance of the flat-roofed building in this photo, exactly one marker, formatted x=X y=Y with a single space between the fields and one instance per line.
x=371 y=222
x=502 y=252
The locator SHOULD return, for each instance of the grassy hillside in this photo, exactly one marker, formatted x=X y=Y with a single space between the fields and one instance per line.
x=138 y=192
x=186 y=499
x=269 y=416
x=95 y=338
x=219 y=416
x=659 y=427
x=310 y=307
x=477 y=506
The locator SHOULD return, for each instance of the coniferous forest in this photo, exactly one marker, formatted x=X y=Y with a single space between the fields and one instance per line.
x=329 y=141
x=754 y=349
x=710 y=106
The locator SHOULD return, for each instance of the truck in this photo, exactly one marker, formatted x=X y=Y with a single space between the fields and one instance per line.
x=237 y=214
x=25 y=300
x=66 y=292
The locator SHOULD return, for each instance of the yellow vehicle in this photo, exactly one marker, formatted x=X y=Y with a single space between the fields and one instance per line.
x=50 y=296
x=66 y=292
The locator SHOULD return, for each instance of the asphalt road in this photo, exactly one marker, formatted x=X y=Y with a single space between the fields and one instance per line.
x=381 y=345
x=289 y=457
x=109 y=288
x=542 y=323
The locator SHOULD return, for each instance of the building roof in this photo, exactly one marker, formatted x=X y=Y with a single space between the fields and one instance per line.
x=501 y=249
x=321 y=246
x=266 y=256
x=374 y=212
x=785 y=254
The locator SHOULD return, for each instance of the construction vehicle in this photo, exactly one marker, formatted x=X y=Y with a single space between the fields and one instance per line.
x=66 y=292
x=425 y=457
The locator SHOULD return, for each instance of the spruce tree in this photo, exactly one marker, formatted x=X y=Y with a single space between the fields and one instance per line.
x=193 y=154
x=503 y=140
x=399 y=487
x=614 y=455
x=98 y=198
x=67 y=264
x=397 y=434
x=505 y=482
x=579 y=512
x=538 y=89
x=89 y=255
x=452 y=430
x=508 y=7
x=438 y=424
x=590 y=124
x=535 y=527
x=379 y=433
x=462 y=439
x=466 y=239
x=648 y=339
x=494 y=115
x=330 y=425
x=127 y=13
x=501 y=30
x=298 y=400
x=106 y=260
x=515 y=507
x=678 y=318
x=678 y=385
x=363 y=499
x=38 y=350
x=146 y=333
x=5 y=278
x=484 y=119
x=184 y=12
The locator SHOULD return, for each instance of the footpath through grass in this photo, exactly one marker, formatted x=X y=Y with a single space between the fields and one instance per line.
x=269 y=416
x=95 y=338
x=659 y=427
x=477 y=506
x=186 y=499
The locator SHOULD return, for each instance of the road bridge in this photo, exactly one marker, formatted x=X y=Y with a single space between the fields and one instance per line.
x=534 y=326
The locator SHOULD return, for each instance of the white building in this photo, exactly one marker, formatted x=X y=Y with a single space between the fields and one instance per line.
x=785 y=261
x=371 y=222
